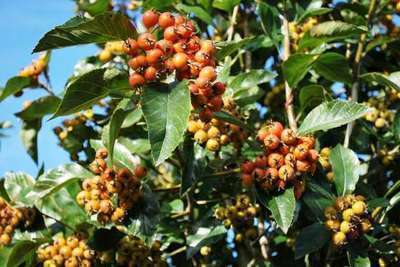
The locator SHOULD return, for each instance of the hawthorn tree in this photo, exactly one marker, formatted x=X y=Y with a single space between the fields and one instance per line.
x=213 y=133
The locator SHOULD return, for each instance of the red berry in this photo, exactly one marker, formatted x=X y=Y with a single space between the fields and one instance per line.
x=154 y=56
x=301 y=152
x=137 y=62
x=275 y=128
x=170 y=34
x=219 y=88
x=247 y=167
x=150 y=18
x=131 y=47
x=208 y=47
x=146 y=41
x=202 y=82
x=184 y=31
x=140 y=171
x=136 y=80
x=247 y=180
x=275 y=160
x=216 y=103
x=150 y=74
x=166 y=20
x=271 y=141
x=303 y=166
x=261 y=162
x=180 y=60
x=206 y=115
x=205 y=91
x=208 y=73
x=288 y=137
x=180 y=20
x=165 y=46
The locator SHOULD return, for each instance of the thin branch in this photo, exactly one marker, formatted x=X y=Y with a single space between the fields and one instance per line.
x=46 y=88
x=356 y=70
x=231 y=28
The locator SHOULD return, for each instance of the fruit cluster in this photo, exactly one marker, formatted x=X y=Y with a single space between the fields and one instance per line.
x=98 y=192
x=286 y=158
x=9 y=220
x=297 y=31
x=326 y=165
x=181 y=51
x=36 y=68
x=240 y=215
x=132 y=251
x=395 y=231
x=69 y=252
x=215 y=133
x=348 y=219
x=111 y=49
x=276 y=92
x=381 y=116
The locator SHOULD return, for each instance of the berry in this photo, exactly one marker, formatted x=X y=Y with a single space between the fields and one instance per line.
x=137 y=62
x=200 y=136
x=219 y=88
x=213 y=132
x=150 y=74
x=146 y=41
x=345 y=227
x=136 y=80
x=288 y=137
x=358 y=207
x=247 y=167
x=140 y=171
x=180 y=60
x=150 y=18
x=154 y=56
x=216 y=103
x=347 y=215
x=166 y=20
x=339 y=239
x=170 y=34
x=271 y=141
x=212 y=145
x=208 y=73
x=205 y=115
x=301 y=152
x=275 y=128
x=247 y=179
x=275 y=160
x=208 y=47
x=286 y=173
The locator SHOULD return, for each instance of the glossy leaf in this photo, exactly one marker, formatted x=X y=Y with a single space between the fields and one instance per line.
x=39 y=108
x=226 y=48
x=21 y=252
x=345 y=166
x=313 y=12
x=317 y=198
x=311 y=238
x=392 y=81
x=133 y=117
x=248 y=80
x=332 y=114
x=14 y=85
x=29 y=137
x=296 y=67
x=79 y=30
x=204 y=236
x=135 y=146
x=166 y=119
x=333 y=67
x=197 y=11
x=226 y=5
x=225 y=116
x=311 y=95
x=269 y=20
x=17 y=186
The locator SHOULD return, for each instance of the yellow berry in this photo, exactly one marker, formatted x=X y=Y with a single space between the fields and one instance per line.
x=212 y=145
x=380 y=123
x=348 y=214
x=366 y=225
x=358 y=207
x=205 y=250
x=345 y=227
x=224 y=139
x=333 y=225
x=213 y=132
x=339 y=238
x=325 y=152
x=200 y=136
x=329 y=177
x=105 y=55
x=193 y=126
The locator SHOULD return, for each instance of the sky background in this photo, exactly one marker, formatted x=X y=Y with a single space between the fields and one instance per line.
x=22 y=24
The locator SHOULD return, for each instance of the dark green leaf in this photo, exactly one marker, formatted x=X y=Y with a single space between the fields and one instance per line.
x=158 y=4
x=105 y=239
x=333 y=67
x=332 y=114
x=197 y=11
x=311 y=96
x=204 y=236
x=391 y=81
x=17 y=186
x=21 y=252
x=132 y=117
x=188 y=174
x=78 y=30
x=396 y=125
x=39 y=108
x=311 y=238
x=96 y=8
x=270 y=22
x=225 y=116
x=135 y=146
x=166 y=119
x=313 y=12
x=14 y=85
x=29 y=135
x=248 y=80
x=317 y=198
x=345 y=166
x=225 y=49
x=380 y=41
x=296 y=67
x=226 y=5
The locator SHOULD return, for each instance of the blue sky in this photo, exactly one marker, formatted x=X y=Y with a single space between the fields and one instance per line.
x=22 y=23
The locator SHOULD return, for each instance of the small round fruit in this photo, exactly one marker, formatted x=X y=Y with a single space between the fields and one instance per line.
x=345 y=227
x=224 y=139
x=206 y=115
x=358 y=207
x=247 y=179
x=205 y=250
x=170 y=34
x=275 y=160
x=146 y=41
x=366 y=225
x=288 y=137
x=301 y=152
x=333 y=225
x=271 y=141
x=208 y=73
x=104 y=56
x=338 y=238
x=247 y=167
x=275 y=128
x=208 y=47
x=212 y=144
x=194 y=126
x=150 y=18
x=380 y=123
x=180 y=60
x=136 y=80
x=137 y=62
x=325 y=152
x=330 y=177
x=166 y=20
x=286 y=173
x=213 y=132
x=219 y=88
x=150 y=73
x=347 y=214
x=153 y=56
x=303 y=166
x=200 y=136
x=140 y=171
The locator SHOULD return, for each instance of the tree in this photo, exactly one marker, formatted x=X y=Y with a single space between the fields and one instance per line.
x=213 y=133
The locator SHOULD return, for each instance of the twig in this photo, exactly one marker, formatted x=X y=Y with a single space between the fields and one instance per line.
x=46 y=88
x=177 y=251
x=222 y=173
x=288 y=90
x=356 y=70
x=263 y=241
x=163 y=189
x=231 y=28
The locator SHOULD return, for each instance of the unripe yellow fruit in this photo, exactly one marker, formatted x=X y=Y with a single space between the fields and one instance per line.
x=358 y=207
x=339 y=239
x=193 y=126
x=329 y=177
x=366 y=225
x=213 y=132
x=325 y=152
x=345 y=227
x=325 y=163
x=333 y=225
x=380 y=123
x=348 y=214
x=381 y=262
x=330 y=212
x=205 y=250
x=372 y=116
x=200 y=136
x=212 y=145
x=105 y=55
x=224 y=139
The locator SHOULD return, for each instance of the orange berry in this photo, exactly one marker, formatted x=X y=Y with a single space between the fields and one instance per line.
x=136 y=80
x=166 y=20
x=150 y=18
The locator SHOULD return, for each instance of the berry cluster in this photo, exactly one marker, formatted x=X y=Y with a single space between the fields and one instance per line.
x=297 y=31
x=287 y=157
x=111 y=49
x=36 y=68
x=395 y=231
x=348 y=219
x=381 y=116
x=132 y=251
x=9 y=220
x=98 y=192
x=215 y=133
x=181 y=51
x=240 y=215
x=276 y=92
x=70 y=252
x=326 y=165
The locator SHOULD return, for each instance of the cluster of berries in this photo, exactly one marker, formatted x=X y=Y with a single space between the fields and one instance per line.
x=9 y=220
x=271 y=96
x=98 y=192
x=395 y=231
x=132 y=251
x=326 y=165
x=287 y=157
x=70 y=252
x=180 y=50
x=297 y=31
x=348 y=219
x=381 y=116
x=36 y=68
x=215 y=133
x=240 y=215
x=111 y=49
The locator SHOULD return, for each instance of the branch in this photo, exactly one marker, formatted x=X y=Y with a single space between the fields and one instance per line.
x=356 y=70
x=288 y=91
x=231 y=28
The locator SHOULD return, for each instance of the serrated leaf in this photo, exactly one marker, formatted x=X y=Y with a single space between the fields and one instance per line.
x=310 y=239
x=345 y=166
x=197 y=11
x=330 y=115
x=166 y=110
x=334 y=67
x=17 y=186
x=392 y=81
x=29 y=135
x=226 y=48
x=132 y=117
x=14 y=85
x=55 y=179
x=79 y=30
x=248 y=80
x=296 y=67
x=311 y=96
x=39 y=108
x=204 y=236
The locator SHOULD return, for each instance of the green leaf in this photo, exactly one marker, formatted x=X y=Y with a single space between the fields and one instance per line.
x=197 y=11
x=311 y=96
x=96 y=8
x=225 y=116
x=282 y=207
x=158 y=4
x=79 y=30
x=296 y=67
x=204 y=236
x=14 y=85
x=188 y=173
x=133 y=117
x=270 y=22
x=55 y=179
x=21 y=252
x=39 y=108
x=248 y=80
x=391 y=81
x=317 y=198
x=17 y=186
x=333 y=67
x=396 y=125
x=135 y=146
x=4 y=255
x=310 y=239
x=226 y=5
x=83 y=92
x=29 y=135
x=105 y=239
x=166 y=110
x=332 y=114
x=380 y=41
x=345 y=166
x=226 y=48
x=313 y=12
